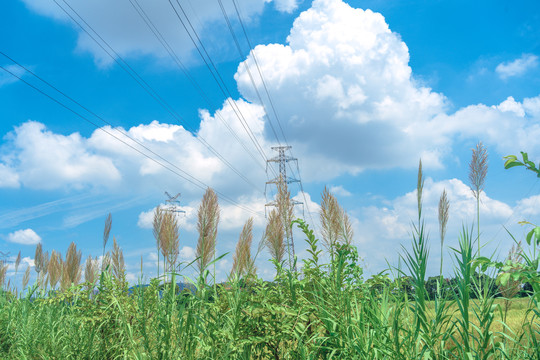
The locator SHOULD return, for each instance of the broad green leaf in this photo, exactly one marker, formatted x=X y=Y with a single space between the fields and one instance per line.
x=510 y=164
x=503 y=279
x=537 y=234
x=529 y=236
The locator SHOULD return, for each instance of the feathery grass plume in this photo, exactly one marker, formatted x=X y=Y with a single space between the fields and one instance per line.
x=156 y=230
x=444 y=207
x=38 y=258
x=55 y=268
x=419 y=189
x=286 y=211
x=71 y=272
x=347 y=232
x=17 y=262
x=335 y=223
x=274 y=236
x=329 y=220
x=91 y=269
x=478 y=168
x=45 y=262
x=208 y=219
x=117 y=258
x=242 y=257
x=169 y=239
x=106 y=231
x=26 y=277
x=3 y=270
x=106 y=261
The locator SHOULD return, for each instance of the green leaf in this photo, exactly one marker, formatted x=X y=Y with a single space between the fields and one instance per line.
x=503 y=279
x=525 y=156
x=537 y=234
x=509 y=165
x=529 y=236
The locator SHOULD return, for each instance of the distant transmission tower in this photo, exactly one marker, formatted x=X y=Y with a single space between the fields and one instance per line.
x=173 y=203
x=282 y=160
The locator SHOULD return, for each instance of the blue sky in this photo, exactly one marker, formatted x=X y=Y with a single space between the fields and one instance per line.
x=362 y=90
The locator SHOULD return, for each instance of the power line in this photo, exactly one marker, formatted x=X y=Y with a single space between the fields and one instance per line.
x=252 y=52
x=217 y=77
x=155 y=31
x=246 y=66
x=148 y=88
x=194 y=181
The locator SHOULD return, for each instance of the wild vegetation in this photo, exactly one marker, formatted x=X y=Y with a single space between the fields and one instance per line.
x=324 y=310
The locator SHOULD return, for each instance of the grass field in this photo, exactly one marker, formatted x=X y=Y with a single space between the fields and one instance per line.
x=325 y=311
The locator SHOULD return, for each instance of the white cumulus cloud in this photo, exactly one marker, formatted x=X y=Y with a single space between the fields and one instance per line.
x=24 y=237
x=8 y=177
x=517 y=67
x=119 y=23
x=347 y=98
x=45 y=160
x=339 y=190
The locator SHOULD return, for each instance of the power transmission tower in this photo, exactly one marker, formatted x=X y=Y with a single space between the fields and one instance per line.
x=282 y=160
x=173 y=203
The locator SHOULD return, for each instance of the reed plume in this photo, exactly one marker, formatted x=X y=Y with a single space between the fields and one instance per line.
x=71 y=271
x=419 y=190
x=3 y=270
x=285 y=208
x=106 y=231
x=478 y=168
x=45 y=262
x=169 y=239
x=335 y=223
x=444 y=207
x=208 y=219
x=17 y=262
x=156 y=230
x=55 y=268
x=274 y=236
x=38 y=258
x=26 y=277
x=91 y=269
x=242 y=260
x=117 y=260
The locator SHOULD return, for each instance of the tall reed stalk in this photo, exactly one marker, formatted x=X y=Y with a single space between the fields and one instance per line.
x=207 y=224
x=478 y=168
x=444 y=207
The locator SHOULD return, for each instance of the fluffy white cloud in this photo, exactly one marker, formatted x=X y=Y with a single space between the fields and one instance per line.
x=517 y=67
x=187 y=253
x=361 y=107
x=286 y=5
x=8 y=177
x=358 y=98
x=390 y=225
x=45 y=160
x=186 y=220
x=40 y=159
x=126 y=32
x=508 y=128
x=339 y=190
x=24 y=237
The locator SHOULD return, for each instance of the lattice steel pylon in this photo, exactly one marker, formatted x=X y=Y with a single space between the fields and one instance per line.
x=282 y=160
x=173 y=203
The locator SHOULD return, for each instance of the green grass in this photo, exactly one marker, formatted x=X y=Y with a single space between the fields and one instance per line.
x=326 y=312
